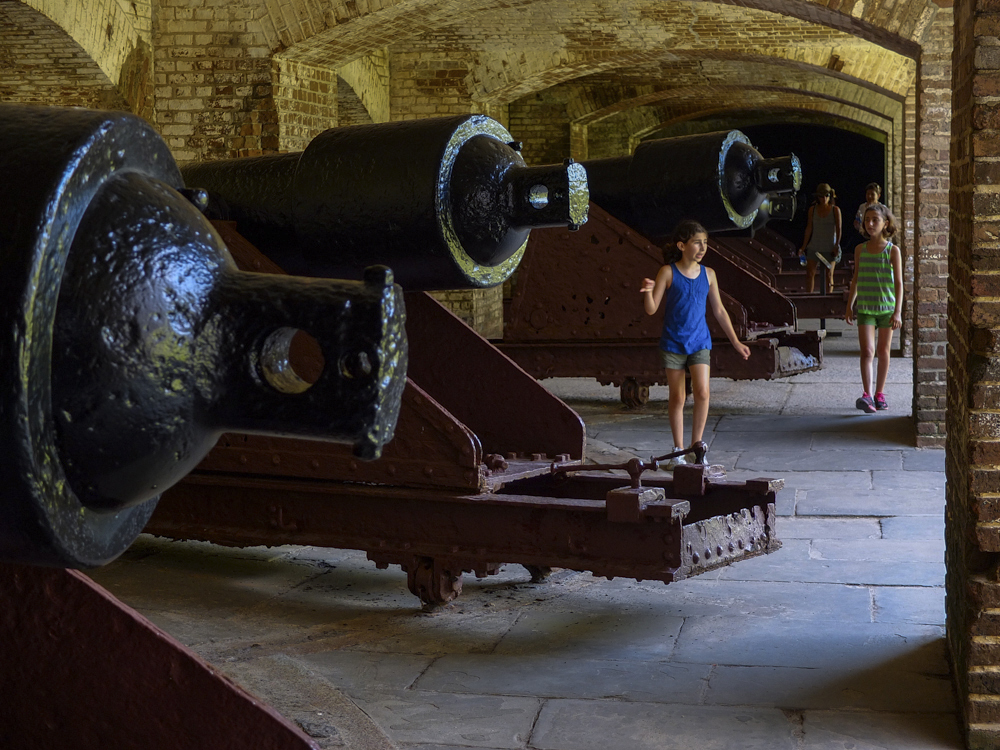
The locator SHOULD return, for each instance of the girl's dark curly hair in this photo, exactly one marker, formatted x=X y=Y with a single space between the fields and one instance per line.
x=890 y=221
x=682 y=233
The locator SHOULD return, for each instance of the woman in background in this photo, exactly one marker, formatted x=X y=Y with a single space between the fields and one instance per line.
x=821 y=241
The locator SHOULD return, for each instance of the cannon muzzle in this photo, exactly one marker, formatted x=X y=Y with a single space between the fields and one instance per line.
x=720 y=179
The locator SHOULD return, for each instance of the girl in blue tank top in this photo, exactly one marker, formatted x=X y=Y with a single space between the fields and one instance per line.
x=686 y=288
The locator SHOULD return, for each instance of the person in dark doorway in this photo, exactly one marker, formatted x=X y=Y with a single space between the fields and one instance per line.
x=686 y=342
x=821 y=242
x=873 y=195
x=878 y=288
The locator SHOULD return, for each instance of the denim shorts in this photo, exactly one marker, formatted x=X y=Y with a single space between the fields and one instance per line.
x=883 y=320
x=673 y=361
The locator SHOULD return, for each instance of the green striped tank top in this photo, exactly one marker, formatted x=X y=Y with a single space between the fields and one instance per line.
x=876 y=287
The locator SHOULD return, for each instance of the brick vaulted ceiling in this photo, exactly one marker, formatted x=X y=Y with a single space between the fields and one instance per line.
x=651 y=61
x=665 y=59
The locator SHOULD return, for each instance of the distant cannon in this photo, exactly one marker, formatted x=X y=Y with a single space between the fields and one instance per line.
x=720 y=179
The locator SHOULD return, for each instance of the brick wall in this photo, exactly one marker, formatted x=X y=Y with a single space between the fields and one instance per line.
x=540 y=123
x=930 y=231
x=213 y=81
x=973 y=362
x=481 y=309
x=305 y=102
x=427 y=85
x=42 y=64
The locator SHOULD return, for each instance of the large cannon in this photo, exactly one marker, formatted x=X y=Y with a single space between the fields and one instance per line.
x=129 y=342
x=446 y=202
x=585 y=318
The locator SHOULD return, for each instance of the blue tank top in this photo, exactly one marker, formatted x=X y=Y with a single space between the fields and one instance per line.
x=685 y=327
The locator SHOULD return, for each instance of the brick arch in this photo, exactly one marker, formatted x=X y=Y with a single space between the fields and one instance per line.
x=339 y=31
x=834 y=114
x=742 y=97
x=111 y=38
x=68 y=76
x=754 y=115
x=505 y=76
x=740 y=72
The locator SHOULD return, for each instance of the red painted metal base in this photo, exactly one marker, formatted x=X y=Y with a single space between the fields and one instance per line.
x=80 y=670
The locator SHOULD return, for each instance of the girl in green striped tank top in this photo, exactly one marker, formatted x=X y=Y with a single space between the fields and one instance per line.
x=877 y=287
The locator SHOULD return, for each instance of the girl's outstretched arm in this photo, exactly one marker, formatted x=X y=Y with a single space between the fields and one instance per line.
x=719 y=310
x=653 y=291
x=896 y=258
x=853 y=294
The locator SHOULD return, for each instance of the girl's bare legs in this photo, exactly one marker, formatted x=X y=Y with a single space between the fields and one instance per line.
x=700 y=390
x=811 y=275
x=829 y=277
x=866 y=340
x=675 y=405
x=883 y=353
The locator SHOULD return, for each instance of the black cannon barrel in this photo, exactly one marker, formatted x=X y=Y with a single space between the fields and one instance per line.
x=720 y=179
x=446 y=202
x=129 y=340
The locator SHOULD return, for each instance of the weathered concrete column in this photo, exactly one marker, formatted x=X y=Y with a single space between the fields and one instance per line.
x=972 y=519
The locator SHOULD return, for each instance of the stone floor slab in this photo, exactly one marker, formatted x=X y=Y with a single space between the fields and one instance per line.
x=927 y=459
x=914 y=604
x=592 y=629
x=602 y=725
x=567 y=677
x=797 y=689
x=902 y=551
x=909 y=479
x=773 y=567
x=833 y=730
x=913 y=527
x=479 y=721
x=829 y=528
x=885 y=502
x=787 y=600
x=738 y=440
x=751 y=641
x=361 y=672
x=842 y=460
x=819 y=424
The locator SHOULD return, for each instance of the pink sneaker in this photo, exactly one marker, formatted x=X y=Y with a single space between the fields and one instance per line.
x=880 y=402
x=866 y=404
